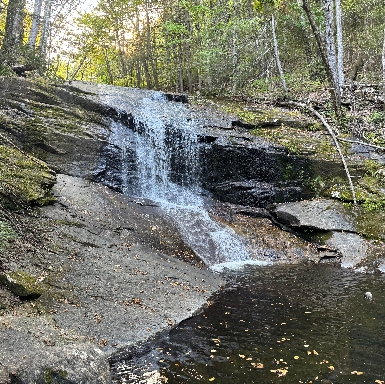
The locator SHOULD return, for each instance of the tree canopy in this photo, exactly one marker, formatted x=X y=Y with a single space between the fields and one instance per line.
x=210 y=46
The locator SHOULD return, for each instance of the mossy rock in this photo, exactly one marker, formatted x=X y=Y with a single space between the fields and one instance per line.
x=21 y=284
x=24 y=179
x=52 y=376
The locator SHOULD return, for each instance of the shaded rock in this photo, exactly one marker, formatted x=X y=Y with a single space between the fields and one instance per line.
x=324 y=215
x=82 y=363
x=257 y=194
x=21 y=284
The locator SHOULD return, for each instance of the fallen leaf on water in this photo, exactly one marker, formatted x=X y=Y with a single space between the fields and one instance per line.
x=296 y=357
x=380 y=382
x=242 y=356
x=315 y=352
x=331 y=367
x=212 y=379
x=357 y=373
x=257 y=365
x=280 y=372
x=309 y=352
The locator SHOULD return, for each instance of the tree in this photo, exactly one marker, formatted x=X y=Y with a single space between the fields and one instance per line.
x=36 y=20
x=327 y=50
x=45 y=30
x=340 y=46
x=13 y=39
x=383 y=67
x=276 y=53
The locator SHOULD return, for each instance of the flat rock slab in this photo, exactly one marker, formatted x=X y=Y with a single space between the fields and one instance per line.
x=324 y=215
x=113 y=280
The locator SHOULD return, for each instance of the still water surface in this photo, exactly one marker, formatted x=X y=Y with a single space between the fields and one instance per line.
x=275 y=324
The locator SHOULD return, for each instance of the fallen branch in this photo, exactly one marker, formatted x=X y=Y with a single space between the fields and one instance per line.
x=335 y=140
x=362 y=143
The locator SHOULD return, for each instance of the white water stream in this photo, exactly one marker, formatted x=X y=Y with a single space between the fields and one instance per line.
x=167 y=171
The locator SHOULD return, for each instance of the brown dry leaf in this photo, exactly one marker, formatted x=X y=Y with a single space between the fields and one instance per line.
x=257 y=365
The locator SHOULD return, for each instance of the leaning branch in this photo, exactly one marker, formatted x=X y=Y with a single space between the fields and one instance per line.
x=335 y=140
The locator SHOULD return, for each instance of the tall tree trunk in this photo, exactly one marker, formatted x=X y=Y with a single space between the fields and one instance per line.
x=340 y=46
x=36 y=19
x=45 y=29
x=235 y=57
x=334 y=88
x=276 y=53
x=383 y=68
x=108 y=67
x=13 y=39
x=328 y=6
x=149 y=48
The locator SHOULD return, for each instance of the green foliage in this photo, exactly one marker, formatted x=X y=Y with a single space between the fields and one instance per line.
x=7 y=234
x=378 y=117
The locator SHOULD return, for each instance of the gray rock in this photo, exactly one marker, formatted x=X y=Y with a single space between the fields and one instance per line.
x=76 y=364
x=351 y=247
x=324 y=215
x=21 y=284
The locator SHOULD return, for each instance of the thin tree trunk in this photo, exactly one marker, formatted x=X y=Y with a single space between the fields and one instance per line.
x=383 y=67
x=340 y=46
x=108 y=66
x=235 y=47
x=334 y=89
x=36 y=20
x=328 y=6
x=45 y=29
x=276 y=53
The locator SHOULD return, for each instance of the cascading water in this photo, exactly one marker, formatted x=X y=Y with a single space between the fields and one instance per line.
x=166 y=170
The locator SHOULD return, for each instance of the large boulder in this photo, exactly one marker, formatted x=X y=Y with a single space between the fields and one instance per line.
x=323 y=215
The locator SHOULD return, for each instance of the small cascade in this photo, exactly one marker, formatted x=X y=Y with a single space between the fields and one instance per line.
x=166 y=169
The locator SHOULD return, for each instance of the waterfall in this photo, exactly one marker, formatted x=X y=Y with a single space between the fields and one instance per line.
x=166 y=170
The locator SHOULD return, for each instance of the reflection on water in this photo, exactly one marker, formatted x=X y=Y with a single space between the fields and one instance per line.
x=275 y=325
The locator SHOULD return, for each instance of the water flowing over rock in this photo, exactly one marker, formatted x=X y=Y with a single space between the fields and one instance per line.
x=170 y=154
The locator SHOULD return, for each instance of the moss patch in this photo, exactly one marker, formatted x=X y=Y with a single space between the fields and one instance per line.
x=7 y=234
x=24 y=180
x=21 y=284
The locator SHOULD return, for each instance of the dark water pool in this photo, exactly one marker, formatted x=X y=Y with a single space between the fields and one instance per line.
x=274 y=325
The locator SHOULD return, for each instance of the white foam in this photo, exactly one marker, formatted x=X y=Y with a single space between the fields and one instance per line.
x=238 y=265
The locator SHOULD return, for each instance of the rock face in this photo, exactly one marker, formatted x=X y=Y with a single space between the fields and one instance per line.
x=323 y=215
x=82 y=363
x=248 y=171
x=330 y=224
